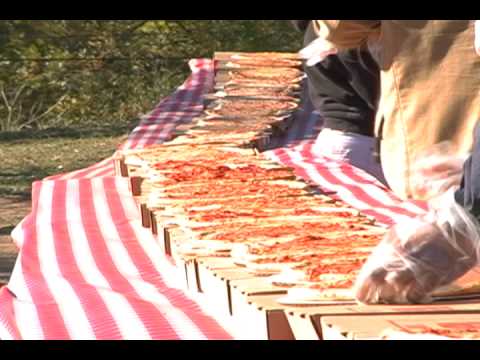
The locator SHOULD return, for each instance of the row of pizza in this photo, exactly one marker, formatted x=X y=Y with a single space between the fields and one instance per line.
x=229 y=201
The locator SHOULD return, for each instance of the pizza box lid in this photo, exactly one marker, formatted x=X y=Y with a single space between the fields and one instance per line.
x=210 y=98
x=319 y=311
x=256 y=286
x=374 y=327
x=214 y=263
x=227 y=55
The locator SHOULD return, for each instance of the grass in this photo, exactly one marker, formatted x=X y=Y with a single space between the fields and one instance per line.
x=31 y=156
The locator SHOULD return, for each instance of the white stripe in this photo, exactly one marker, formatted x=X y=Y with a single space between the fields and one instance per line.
x=17 y=234
x=69 y=305
x=27 y=319
x=148 y=292
x=116 y=303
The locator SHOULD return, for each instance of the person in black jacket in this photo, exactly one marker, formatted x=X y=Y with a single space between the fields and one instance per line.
x=421 y=255
x=345 y=90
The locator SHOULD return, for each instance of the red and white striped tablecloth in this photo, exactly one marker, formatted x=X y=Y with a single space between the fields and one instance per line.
x=87 y=269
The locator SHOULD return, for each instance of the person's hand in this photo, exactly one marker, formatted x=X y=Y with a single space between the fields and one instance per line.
x=317 y=51
x=477 y=36
x=417 y=257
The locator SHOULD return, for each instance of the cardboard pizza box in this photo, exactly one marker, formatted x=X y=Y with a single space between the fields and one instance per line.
x=227 y=55
x=146 y=216
x=301 y=317
x=136 y=185
x=167 y=241
x=260 y=318
x=215 y=284
x=119 y=165
x=191 y=272
x=376 y=327
x=154 y=225
x=247 y=303
x=175 y=239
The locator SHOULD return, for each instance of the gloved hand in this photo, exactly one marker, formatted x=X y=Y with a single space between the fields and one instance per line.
x=417 y=257
x=317 y=51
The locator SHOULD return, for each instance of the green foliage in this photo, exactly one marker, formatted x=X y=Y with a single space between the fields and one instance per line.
x=107 y=72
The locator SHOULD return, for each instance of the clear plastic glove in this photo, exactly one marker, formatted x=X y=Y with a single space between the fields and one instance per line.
x=436 y=171
x=421 y=255
x=317 y=51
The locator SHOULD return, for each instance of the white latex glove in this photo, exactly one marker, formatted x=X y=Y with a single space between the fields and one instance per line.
x=317 y=51
x=421 y=255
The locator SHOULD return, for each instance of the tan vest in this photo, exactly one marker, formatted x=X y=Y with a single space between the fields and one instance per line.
x=430 y=92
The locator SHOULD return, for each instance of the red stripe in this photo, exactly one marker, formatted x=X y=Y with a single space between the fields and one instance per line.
x=48 y=311
x=8 y=313
x=148 y=314
x=421 y=204
x=95 y=308
x=149 y=273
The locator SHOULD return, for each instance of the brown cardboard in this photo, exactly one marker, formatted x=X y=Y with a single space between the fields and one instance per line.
x=269 y=318
x=373 y=327
x=136 y=185
x=166 y=242
x=214 y=280
x=251 y=302
x=119 y=166
x=191 y=269
x=146 y=218
x=215 y=287
x=215 y=263
x=257 y=286
x=311 y=316
x=154 y=223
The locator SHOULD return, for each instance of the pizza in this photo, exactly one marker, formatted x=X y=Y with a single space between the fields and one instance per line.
x=263 y=62
x=285 y=75
x=265 y=55
x=457 y=332
x=222 y=195
x=256 y=108
x=284 y=94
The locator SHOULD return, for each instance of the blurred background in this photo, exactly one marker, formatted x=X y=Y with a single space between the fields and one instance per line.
x=71 y=90
x=89 y=81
